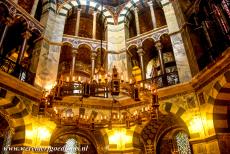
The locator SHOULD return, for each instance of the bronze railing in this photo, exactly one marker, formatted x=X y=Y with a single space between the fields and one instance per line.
x=16 y=70
x=97 y=89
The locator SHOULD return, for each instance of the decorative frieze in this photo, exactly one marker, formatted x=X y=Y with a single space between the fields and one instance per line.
x=154 y=34
x=76 y=41
x=15 y=11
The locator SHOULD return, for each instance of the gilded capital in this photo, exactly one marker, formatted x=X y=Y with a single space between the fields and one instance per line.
x=9 y=21
x=150 y=3
x=26 y=35
x=158 y=45
x=140 y=51
x=74 y=51
x=93 y=55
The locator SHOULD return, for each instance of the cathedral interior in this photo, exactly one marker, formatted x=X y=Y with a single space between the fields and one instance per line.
x=115 y=76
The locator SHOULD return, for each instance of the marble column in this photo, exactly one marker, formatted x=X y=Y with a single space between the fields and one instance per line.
x=26 y=35
x=74 y=54
x=140 y=52
x=182 y=47
x=8 y=23
x=158 y=45
x=94 y=24
x=93 y=57
x=78 y=22
x=150 y=3
x=137 y=20
x=34 y=8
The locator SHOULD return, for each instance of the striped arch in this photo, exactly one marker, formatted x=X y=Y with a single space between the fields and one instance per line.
x=105 y=138
x=137 y=138
x=149 y=133
x=126 y=10
x=67 y=43
x=14 y=108
x=148 y=38
x=68 y=5
x=49 y=5
x=219 y=100
x=173 y=108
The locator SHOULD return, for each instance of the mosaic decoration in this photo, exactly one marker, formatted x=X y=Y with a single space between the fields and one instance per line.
x=183 y=143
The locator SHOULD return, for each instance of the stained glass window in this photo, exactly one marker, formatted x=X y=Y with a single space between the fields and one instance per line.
x=183 y=143
x=71 y=146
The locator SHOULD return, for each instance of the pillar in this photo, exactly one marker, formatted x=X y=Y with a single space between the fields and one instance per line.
x=74 y=53
x=184 y=54
x=34 y=8
x=47 y=65
x=93 y=57
x=94 y=24
x=8 y=23
x=26 y=35
x=162 y=65
x=150 y=3
x=161 y=59
x=140 y=52
x=137 y=20
x=78 y=22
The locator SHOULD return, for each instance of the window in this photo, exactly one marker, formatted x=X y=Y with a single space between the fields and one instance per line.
x=183 y=143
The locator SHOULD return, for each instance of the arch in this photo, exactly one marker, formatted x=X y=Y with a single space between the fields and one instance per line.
x=124 y=12
x=221 y=106
x=87 y=45
x=59 y=132
x=4 y=6
x=174 y=109
x=14 y=110
x=68 y=5
x=98 y=48
x=67 y=43
x=154 y=129
x=7 y=118
x=131 y=46
x=148 y=38
x=168 y=143
x=162 y=35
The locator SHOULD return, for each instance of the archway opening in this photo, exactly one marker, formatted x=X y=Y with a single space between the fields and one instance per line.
x=73 y=143
x=5 y=135
x=221 y=115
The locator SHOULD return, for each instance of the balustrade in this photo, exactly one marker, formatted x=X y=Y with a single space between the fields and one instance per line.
x=19 y=71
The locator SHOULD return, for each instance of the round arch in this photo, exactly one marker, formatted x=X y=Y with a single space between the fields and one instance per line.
x=66 y=6
x=70 y=131
x=151 y=132
x=86 y=45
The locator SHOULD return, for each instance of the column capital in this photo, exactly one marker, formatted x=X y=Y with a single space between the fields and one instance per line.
x=9 y=21
x=140 y=51
x=26 y=35
x=165 y=2
x=95 y=12
x=74 y=51
x=93 y=55
x=135 y=9
x=158 y=45
x=150 y=3
x=79 y=9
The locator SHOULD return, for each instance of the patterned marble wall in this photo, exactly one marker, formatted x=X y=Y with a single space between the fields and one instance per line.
x=49 y=56
x=116 y=43
x=182 y=52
